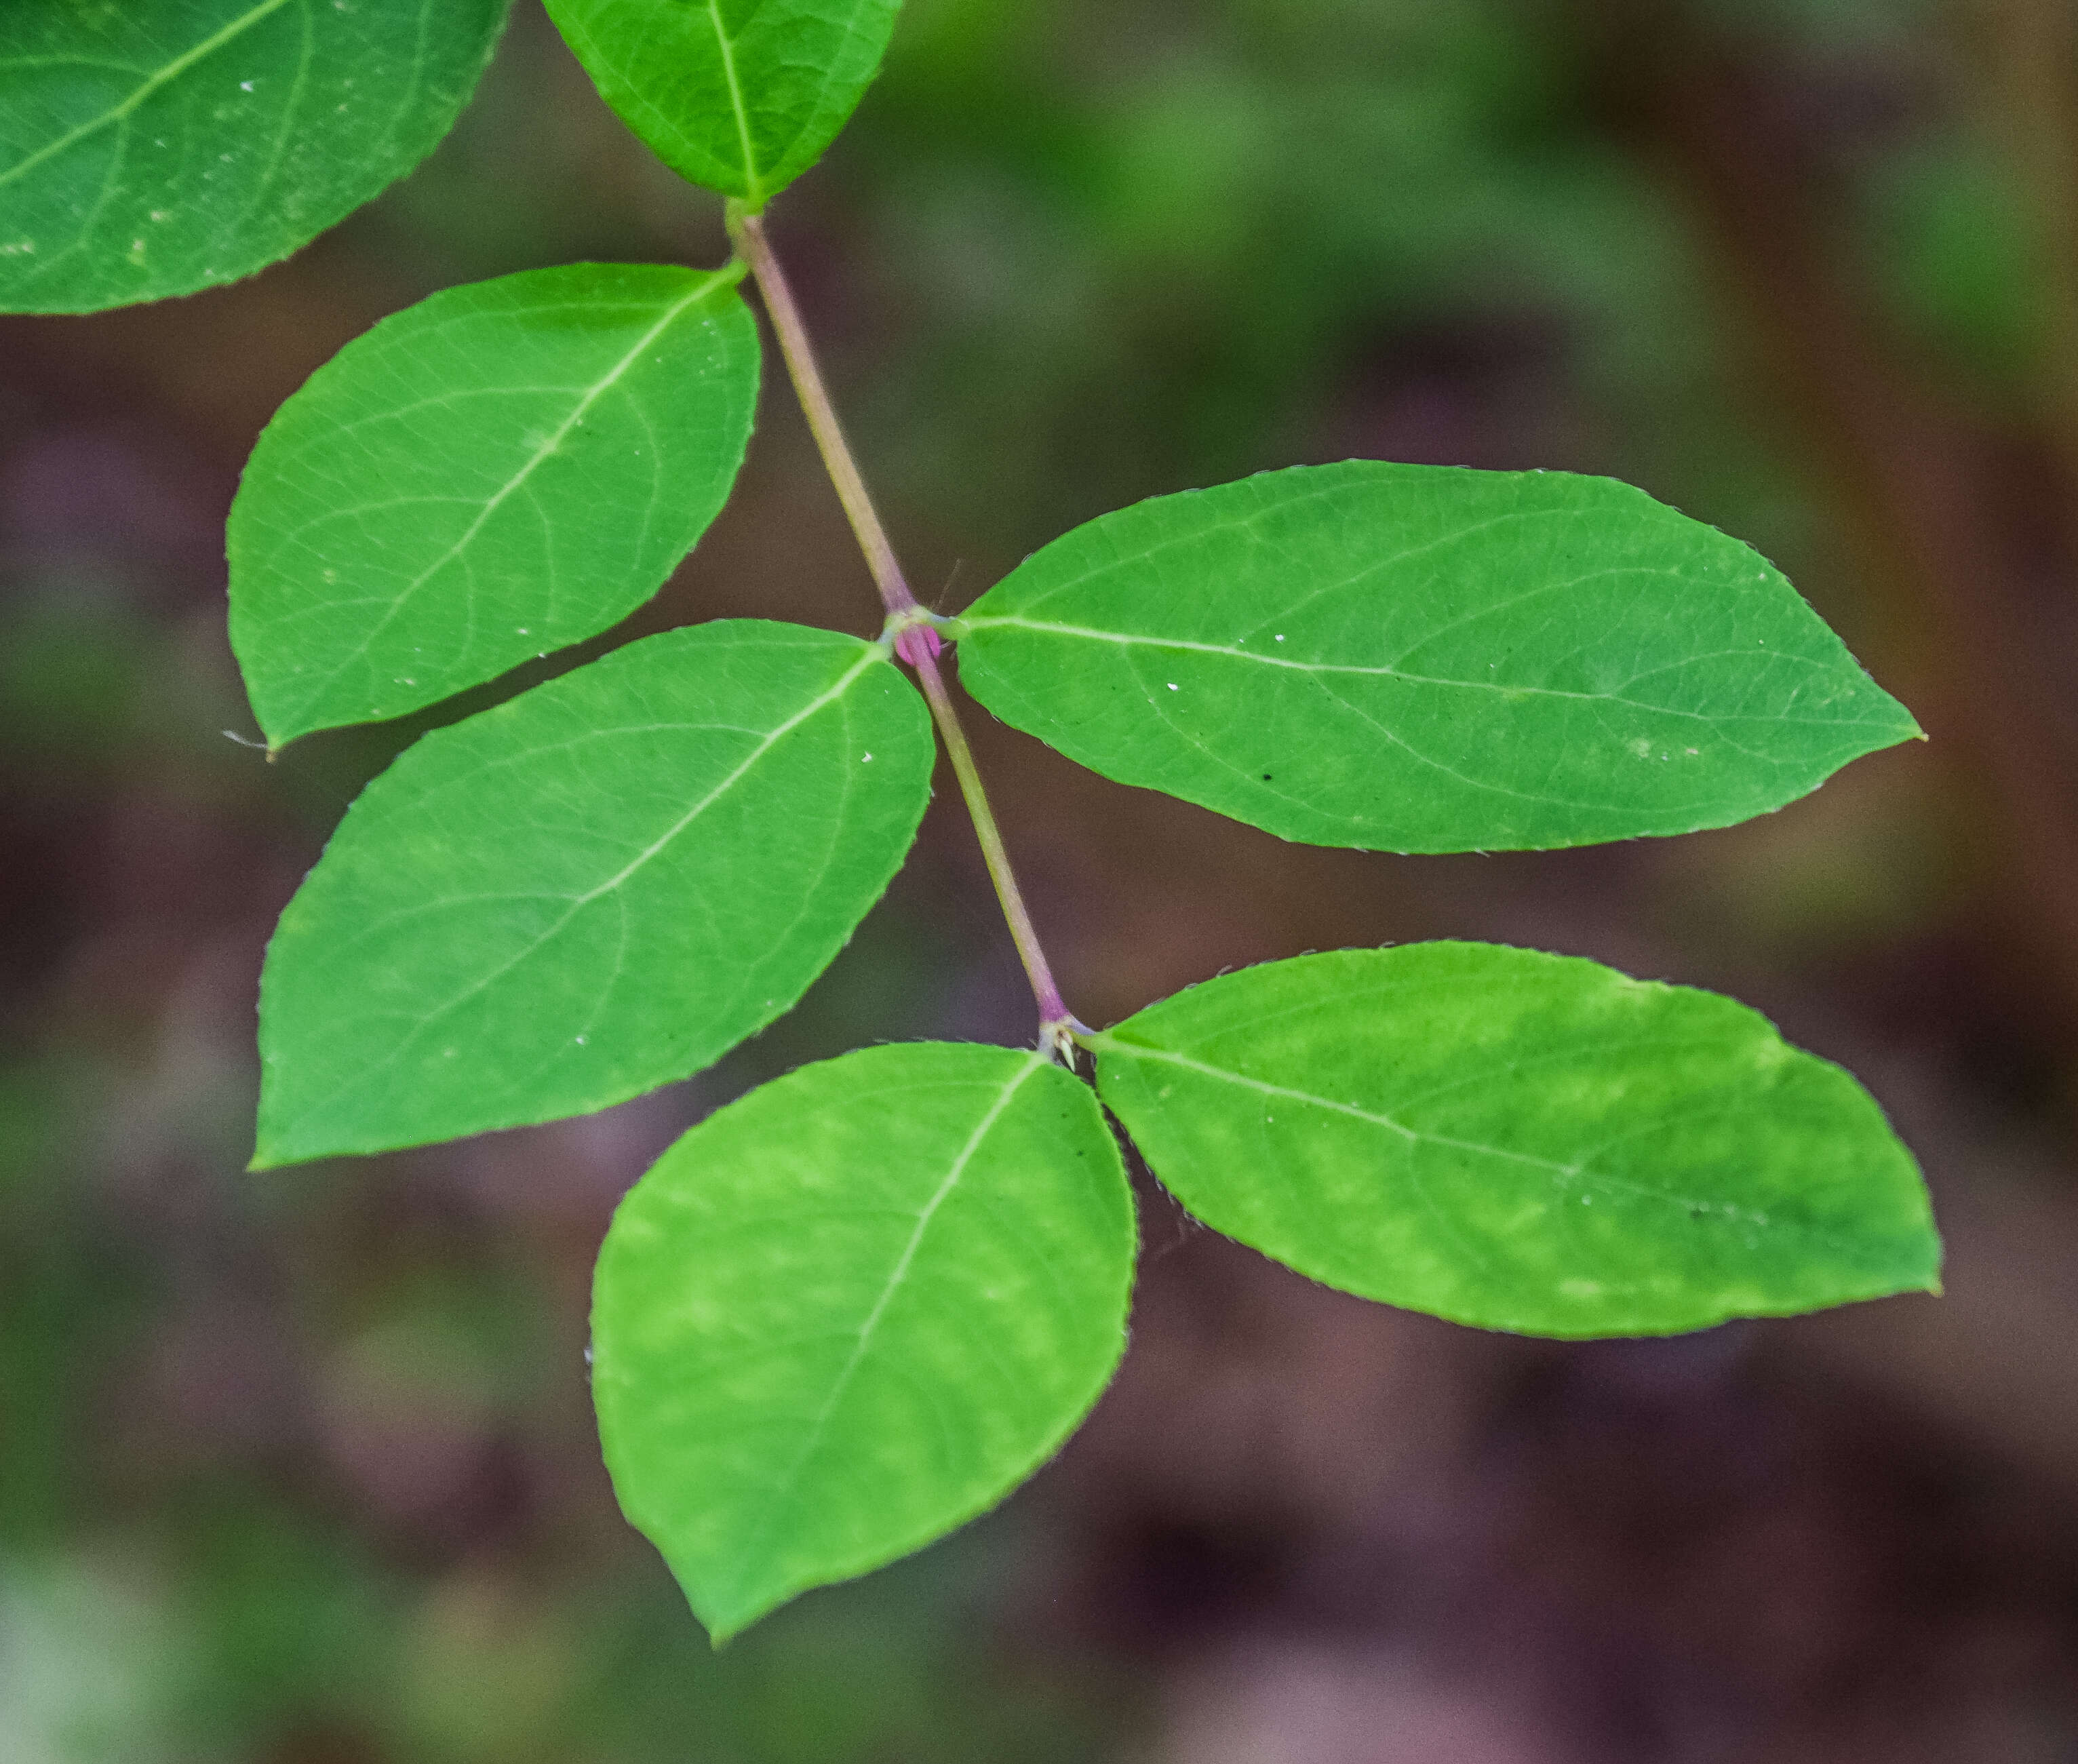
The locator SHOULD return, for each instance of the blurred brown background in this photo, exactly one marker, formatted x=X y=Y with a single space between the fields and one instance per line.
x=299 y=1469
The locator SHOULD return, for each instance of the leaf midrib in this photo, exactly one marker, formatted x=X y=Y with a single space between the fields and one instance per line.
x=1131 y=639
x=1565 y=1173
x=172 y=70
x=782 y=1489
x=752 y=183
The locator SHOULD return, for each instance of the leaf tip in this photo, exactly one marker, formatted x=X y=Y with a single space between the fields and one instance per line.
x=277 y=731
x=725 y=1620
x=1904 y=725
x=276 y=1144
x=1937 y=1251
x=1921 y=1272
x=275 y=1149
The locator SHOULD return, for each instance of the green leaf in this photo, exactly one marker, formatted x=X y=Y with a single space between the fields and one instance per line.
x=598 y=887
x=498 y=471
x=854 y=1309
x=1424 y=659
x=740 y=95
x=150 y=148
x=1521 y=1141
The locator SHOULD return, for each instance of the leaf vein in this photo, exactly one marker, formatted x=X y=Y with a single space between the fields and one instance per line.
x=119 y=113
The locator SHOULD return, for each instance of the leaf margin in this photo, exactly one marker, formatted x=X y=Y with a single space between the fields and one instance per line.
x=302 y=431
x=726 y=1619
x=284 y=1152
x=992 y=678
x=1116 y=1044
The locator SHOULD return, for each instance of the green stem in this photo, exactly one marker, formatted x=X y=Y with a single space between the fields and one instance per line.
x=1056 y=1024
x=915 y=639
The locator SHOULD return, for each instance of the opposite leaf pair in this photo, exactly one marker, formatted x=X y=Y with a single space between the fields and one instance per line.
x=851 y=1310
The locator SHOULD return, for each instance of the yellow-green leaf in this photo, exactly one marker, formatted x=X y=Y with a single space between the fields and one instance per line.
x=854 y=1309
x=1522 y=1141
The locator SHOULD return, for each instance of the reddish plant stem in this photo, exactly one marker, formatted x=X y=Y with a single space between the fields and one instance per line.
x=915 y=639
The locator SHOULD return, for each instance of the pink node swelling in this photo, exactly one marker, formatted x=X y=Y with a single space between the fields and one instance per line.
x=918 y=644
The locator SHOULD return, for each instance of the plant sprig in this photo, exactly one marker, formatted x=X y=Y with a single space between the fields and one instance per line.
x=854 y=1308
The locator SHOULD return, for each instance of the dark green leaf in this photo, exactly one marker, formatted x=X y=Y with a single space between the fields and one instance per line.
x=740 y=95
x=1424 y=659
x=150 y=148
x=1521 y=1141
x=500 y=470
x=598 y=887
x=853 y=1310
